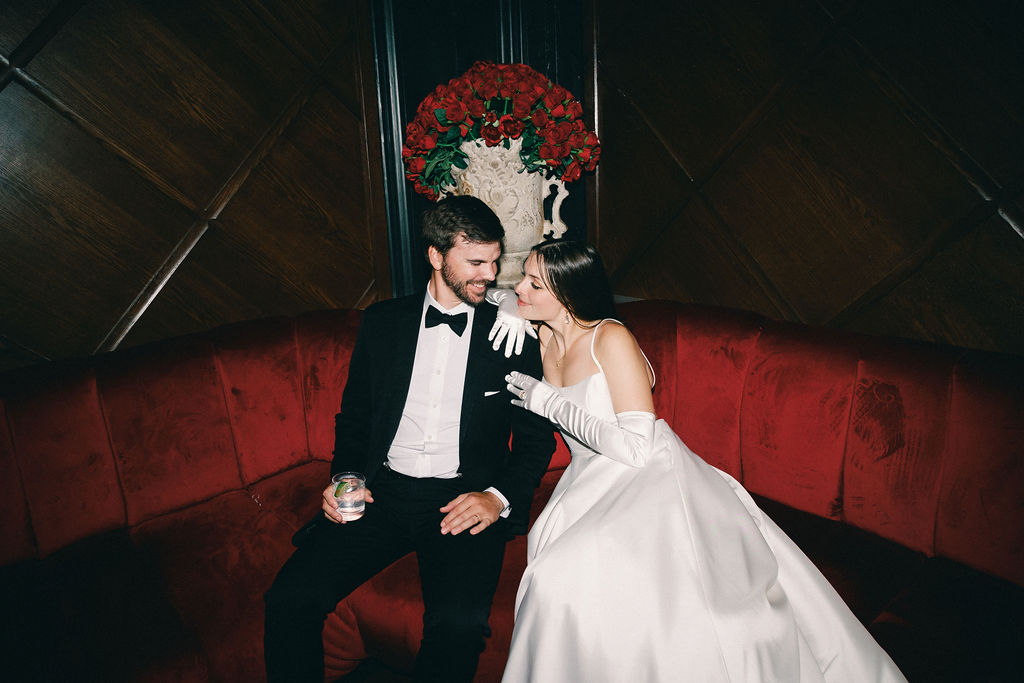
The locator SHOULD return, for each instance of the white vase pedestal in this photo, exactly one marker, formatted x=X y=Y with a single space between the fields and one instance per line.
x=496 y=176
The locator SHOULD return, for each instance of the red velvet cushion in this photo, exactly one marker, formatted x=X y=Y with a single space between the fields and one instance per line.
x=653 y=325
x=388 y=612
x=561 y=457
x=981 y=506
x=294 y=495
x=168 y=426
x=217 y=559
x=896 y=442
x=259 y=368
x=325 y=341
x=344 y=649
x=951 y=624
x=70 y=479
x=15 y=529
x=866 y=570
x=796 y=409
x=94 y=611
x=713 y=350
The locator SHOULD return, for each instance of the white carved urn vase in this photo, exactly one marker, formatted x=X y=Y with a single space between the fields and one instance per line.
x=496 y=176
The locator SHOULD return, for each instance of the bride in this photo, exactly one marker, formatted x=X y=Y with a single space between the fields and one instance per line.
x=648 y=564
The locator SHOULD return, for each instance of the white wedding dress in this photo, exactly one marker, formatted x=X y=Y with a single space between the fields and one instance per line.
x=670 y=572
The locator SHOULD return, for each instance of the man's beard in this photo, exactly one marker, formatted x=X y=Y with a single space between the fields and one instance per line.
x=459 y=286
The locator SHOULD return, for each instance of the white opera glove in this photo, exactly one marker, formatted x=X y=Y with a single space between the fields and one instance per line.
x=629 y=440
x=509 y=325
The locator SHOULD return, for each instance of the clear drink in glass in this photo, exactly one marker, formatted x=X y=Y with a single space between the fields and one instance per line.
x=349 y=494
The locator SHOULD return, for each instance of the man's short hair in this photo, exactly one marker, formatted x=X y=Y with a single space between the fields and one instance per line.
x=459 y=215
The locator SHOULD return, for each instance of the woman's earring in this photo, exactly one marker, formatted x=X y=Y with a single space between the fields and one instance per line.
x=567 y=316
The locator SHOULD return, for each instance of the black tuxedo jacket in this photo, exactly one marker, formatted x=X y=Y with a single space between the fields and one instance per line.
x=378 y=382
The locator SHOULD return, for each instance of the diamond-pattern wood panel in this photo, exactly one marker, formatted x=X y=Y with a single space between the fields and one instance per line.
x=698 y=69
x=80 y=232
x=698 y=235
x=855 y=164
x=969 y=294
x=173 y=166
x=19 y=18
x=843 y=188
x=311 y=28
x=646 y=187
x=185 y=87
x=964 y=63
x=294 y=238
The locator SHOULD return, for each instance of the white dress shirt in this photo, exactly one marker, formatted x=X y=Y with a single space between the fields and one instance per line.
x=427 y=441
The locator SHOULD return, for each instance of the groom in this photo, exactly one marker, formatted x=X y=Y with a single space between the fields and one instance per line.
x=424 y=417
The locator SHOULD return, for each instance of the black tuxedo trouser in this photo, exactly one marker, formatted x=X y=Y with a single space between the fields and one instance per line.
x=458 y=574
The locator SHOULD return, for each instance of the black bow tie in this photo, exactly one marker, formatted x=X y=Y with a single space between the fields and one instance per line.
x=457 y=322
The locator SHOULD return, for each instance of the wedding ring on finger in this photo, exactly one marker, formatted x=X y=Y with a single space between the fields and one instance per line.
x=477 y=518
x=522 y=395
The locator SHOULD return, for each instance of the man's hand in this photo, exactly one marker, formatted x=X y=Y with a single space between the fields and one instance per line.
x=330 y=504
x=474 y=511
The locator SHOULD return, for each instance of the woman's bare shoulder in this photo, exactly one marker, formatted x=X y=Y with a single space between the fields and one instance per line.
x=614 y=337
x=618 y=351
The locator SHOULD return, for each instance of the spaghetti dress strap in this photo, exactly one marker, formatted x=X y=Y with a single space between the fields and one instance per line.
x=598 y=363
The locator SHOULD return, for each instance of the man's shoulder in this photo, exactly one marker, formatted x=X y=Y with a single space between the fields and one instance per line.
x=486 y=311
x=387 y=308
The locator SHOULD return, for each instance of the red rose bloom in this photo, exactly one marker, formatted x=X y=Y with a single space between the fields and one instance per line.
x=572 y=172
x=553 y=153
x=416 y=165
x=510 y=127
x=476 y=107
x=491 y=135
x=414 y=128
x=461 y=88
x=556 y=96
x=427 y=141
x=521 y=106
x=455 y=111
x=509 y=86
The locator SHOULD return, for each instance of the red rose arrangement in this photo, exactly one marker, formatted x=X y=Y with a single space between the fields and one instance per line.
x=495 y=104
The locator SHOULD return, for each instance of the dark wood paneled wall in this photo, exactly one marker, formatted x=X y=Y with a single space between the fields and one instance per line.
x=858 y=165
x=167 y=167
x=171 y=166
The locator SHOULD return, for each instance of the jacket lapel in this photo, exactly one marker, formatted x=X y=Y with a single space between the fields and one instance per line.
x=397 y=375
x=476 y=367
